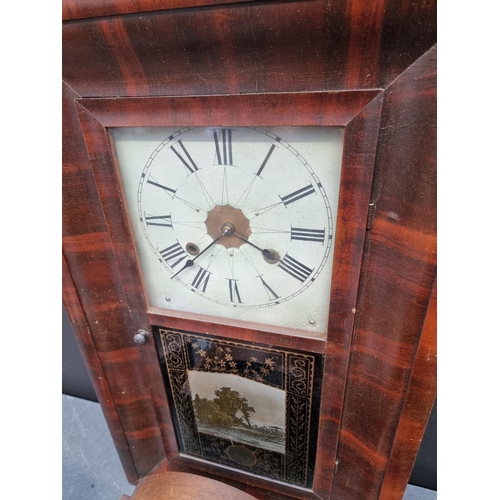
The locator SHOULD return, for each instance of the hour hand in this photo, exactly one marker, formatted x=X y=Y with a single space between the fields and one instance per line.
x=270 y=256
x=188 y=263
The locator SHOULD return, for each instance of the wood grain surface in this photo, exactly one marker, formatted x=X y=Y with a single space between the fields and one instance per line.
x=83 y=9
x=107 y=345
x=184 y=486
x=380 y=366
x=415 y=411
x=398 y=272
x=245 y=48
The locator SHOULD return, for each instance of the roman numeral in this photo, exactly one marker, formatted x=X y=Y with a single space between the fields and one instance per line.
x=184 y=156
x=270 y=152
x=234 y=294
x=270 y=292
x=294 y=268
x=158 y=220
x=300 y=233
x=201 y=279
x=170 y=190
x=174 y=254
x=297 y=195
x=223 y=146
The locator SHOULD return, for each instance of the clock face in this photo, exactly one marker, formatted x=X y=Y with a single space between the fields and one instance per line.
x=235 y=223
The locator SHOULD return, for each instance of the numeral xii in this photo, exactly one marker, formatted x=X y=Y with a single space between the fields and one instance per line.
x=234 y=294
x=223 y=146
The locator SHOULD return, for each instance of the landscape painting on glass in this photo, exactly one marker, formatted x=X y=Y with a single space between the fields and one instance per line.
x=242 y=410
x=242 y=405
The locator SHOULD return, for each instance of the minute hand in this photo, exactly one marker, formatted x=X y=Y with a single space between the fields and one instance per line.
x=271 y=257
x=190 y=262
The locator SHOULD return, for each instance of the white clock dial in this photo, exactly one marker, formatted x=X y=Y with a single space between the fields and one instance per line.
x=235 y=222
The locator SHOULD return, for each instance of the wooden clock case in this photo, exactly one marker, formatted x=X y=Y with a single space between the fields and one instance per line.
x=369 y=67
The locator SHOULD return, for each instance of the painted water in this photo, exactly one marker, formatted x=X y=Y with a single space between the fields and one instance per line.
x=251 y=437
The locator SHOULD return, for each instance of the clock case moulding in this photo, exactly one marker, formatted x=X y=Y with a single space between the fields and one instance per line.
x=378 y=381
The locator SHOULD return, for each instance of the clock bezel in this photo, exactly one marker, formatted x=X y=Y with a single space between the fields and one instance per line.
x=359 y=113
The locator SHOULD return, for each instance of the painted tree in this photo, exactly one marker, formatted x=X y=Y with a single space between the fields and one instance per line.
x=230 y=402
x=246 y=409
x=223 y=409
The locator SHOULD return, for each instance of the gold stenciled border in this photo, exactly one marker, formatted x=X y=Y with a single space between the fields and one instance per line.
x=291 y=371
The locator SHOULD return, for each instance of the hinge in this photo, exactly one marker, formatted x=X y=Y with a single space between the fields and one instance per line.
x=371 y=214
x=336 y=466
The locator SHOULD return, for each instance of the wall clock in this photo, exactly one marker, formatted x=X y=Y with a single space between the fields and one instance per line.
x=249 y=237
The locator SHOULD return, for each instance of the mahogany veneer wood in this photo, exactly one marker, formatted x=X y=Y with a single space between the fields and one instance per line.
x=183 y=486
x=244 y=48
x=398 y=274
x=380 y=352
x=415 y=412
x=73 y=9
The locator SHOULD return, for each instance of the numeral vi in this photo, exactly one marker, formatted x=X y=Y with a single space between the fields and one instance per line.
x=234 y=294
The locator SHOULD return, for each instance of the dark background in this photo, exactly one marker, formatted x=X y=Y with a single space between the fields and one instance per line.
x=76 y=382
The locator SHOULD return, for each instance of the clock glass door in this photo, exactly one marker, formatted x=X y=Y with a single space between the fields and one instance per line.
x=243 y=405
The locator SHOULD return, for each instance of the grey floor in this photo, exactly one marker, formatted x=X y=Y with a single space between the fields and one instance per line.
x=91 y=469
